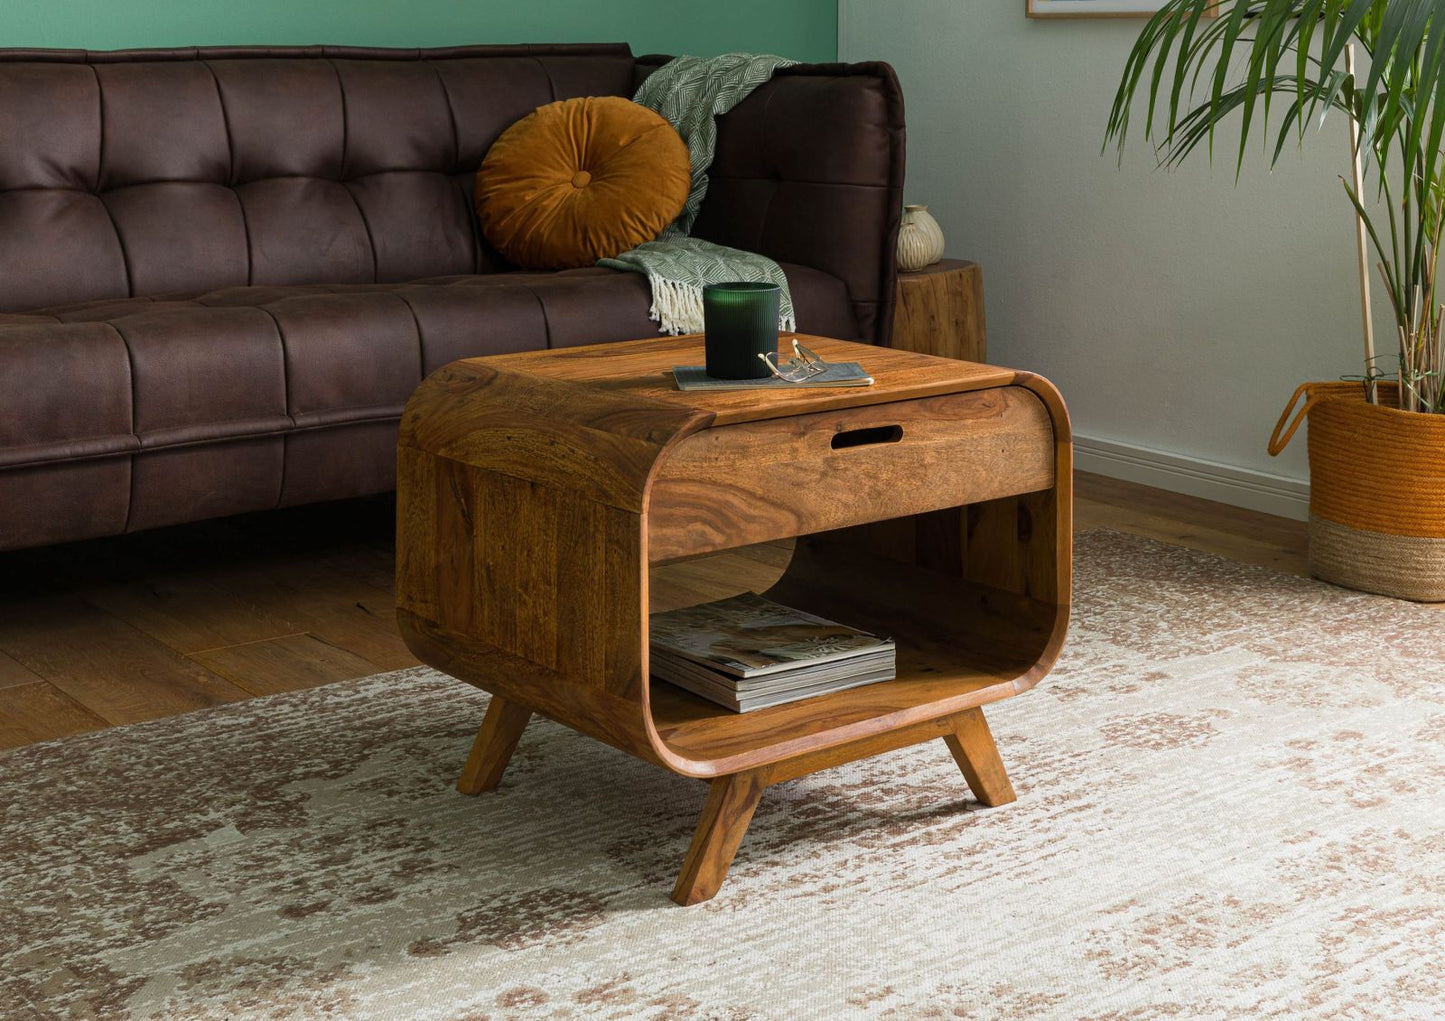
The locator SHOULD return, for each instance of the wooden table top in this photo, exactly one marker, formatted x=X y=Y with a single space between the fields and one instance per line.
x=643 y=369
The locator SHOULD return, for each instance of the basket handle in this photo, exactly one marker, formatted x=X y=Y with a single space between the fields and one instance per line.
x=1313 y=393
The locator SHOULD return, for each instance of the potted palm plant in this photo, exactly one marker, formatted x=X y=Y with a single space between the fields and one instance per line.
x=1376 y=446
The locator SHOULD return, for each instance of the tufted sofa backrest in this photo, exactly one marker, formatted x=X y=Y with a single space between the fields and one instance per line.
x=158 y=172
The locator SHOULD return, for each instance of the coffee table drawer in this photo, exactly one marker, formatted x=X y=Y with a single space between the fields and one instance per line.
x=758 y=481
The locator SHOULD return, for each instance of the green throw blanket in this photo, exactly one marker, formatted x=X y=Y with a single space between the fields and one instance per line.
x=691 y=92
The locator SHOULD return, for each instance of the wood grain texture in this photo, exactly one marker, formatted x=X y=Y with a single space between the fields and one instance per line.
x=121 y=620
x=864 y=748
x=731 y=801
x=767 y=480
x=497 y=739
x=315 y=599
x=733 y=798
x=959 y=646
x=545 y=576
x=639 y=372
x=1251 y=537
x=598 y=442
x=973 y=748
x=12 y=673
x=289 y=663
x=976 y=597
x=940 y=311
x=536 y=489
x=188 y=612
x=495 y=549
x=39 y=711
x=703 y=579
x=611 y=718
x=115 y=671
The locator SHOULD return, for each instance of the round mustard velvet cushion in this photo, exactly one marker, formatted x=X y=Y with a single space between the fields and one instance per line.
x=581 y=180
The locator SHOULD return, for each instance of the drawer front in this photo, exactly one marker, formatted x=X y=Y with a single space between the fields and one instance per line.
x=759 y=481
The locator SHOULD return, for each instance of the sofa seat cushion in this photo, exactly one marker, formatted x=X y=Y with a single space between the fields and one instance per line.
x=137 y=374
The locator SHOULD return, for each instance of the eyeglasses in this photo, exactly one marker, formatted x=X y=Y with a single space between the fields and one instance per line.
x=804 y=364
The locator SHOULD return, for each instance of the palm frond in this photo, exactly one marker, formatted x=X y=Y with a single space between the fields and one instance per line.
x=1279 y=61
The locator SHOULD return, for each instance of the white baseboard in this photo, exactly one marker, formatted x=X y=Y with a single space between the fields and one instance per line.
x=1239 y=487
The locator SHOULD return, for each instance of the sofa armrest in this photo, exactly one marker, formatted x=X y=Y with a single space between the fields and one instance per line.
x=809 y=169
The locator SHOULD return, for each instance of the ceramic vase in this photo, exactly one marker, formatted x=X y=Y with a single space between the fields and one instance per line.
x=920 y=239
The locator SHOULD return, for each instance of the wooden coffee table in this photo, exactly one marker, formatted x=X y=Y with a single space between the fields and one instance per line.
x=537 y=492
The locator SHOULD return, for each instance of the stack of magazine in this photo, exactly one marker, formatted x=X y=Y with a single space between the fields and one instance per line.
x=748 y=652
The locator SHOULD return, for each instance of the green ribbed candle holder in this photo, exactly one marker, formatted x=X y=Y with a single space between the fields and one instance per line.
x=740 y=322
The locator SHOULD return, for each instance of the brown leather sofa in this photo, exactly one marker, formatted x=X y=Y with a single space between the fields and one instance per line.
x=223 y=271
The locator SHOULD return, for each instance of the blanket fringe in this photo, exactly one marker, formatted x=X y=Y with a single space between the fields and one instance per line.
x=677 y=308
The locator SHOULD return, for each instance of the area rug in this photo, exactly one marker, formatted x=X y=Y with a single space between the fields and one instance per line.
x=1231 y=805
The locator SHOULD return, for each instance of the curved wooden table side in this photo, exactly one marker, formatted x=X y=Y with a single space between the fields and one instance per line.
x=536 y=491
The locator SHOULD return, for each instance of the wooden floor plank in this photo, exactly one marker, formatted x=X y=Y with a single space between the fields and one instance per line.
x=1191 y=510
x=1245 y=535
x=188 y=612
x=371 y=565
x=41 y=712
x=1178 y=517
x=12 y=673
x=106 y=665
x=284 y=664
x=335 y=607
x=1237 y=547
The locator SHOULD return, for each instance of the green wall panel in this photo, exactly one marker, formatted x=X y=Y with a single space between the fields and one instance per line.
x=803 y=29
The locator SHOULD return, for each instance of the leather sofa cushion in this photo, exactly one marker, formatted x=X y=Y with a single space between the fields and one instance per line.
x=581 y=180
x=137 y=374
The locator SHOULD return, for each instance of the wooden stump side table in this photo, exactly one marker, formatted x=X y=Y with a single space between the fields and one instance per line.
x=537 y=491
x=940 y=311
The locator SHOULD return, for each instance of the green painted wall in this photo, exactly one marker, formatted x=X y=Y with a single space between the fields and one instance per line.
x=802 y=29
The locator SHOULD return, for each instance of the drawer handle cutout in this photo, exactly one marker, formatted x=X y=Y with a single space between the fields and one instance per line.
x=867 y=437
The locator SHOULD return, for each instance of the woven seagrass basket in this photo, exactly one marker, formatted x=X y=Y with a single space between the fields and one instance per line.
x=1377 y=490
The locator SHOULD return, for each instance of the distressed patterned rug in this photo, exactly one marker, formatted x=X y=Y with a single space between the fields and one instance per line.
x=1231 y=805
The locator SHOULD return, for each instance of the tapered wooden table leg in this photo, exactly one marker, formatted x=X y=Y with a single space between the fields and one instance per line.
x=977 y=756
x=731 y=801
x=501 y=729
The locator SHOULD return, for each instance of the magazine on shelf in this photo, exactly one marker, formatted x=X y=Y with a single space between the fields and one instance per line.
x=748 y=652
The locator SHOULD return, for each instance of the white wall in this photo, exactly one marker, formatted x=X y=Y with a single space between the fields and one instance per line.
x=1176 y=311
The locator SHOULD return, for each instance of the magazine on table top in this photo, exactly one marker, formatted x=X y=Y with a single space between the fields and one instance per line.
x=748 y=636
x=695 y=377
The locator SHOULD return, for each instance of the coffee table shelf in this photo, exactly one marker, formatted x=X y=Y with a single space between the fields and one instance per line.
x=953 y=653
x=539 y=494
